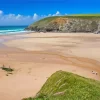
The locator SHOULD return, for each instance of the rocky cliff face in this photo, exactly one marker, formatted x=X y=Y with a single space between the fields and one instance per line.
x=60 y=24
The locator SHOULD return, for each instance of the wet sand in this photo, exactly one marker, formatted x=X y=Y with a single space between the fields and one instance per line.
x=34 y=57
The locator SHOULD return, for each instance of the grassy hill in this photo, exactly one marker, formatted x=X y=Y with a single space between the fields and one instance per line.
x=70 y=23
x=67 y=86
x=46 y=20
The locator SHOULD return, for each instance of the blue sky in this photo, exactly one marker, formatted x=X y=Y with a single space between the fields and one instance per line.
x=24 y=12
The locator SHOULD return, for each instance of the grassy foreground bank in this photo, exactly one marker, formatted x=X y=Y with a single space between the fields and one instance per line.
x=67 y=86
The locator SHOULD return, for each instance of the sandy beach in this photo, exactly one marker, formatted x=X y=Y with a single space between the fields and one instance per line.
x=35 y=56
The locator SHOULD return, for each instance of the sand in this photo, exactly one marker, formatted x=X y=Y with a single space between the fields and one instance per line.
x=34 y=57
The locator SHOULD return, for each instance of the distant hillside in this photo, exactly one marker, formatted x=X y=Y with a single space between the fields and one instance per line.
x=72 y=23
x=67 y=86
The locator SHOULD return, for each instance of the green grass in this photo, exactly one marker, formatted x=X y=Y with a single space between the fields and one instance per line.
x=7 y=69
x=86 y=15
x=67 y=86
x=45 y=21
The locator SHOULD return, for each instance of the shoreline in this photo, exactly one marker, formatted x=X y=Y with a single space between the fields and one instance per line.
x=17 y=35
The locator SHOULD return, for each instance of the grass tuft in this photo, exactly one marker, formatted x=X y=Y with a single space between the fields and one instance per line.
x=7 y=69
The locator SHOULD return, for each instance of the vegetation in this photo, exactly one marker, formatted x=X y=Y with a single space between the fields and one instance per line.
x=67 y=86
x=7 y=69
x=46 y=20
x=68 y=24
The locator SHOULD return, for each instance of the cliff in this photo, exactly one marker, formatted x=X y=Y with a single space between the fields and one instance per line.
x=67 y=24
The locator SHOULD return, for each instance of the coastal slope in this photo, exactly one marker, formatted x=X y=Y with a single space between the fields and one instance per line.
x=75 y=23
x=67 y=86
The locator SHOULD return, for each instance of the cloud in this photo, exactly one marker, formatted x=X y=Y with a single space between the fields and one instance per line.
x=1 y=12
x=18 y=17
x=49 y=15
x=35 y=16
x=13 y=19
x=57 y=14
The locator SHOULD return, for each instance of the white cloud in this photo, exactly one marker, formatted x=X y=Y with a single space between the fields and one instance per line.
x=57 y=13
x=49 y=15
x=35 y=16
x=10 y=16
x=13 y=19
x=18 y=17
x=1 y=12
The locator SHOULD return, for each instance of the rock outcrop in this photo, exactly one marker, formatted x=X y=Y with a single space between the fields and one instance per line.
x=66 y=24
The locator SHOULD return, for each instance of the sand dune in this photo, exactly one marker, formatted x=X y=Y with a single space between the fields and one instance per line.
x=36 y=56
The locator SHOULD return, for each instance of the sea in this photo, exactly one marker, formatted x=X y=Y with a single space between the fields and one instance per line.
x=6 y=30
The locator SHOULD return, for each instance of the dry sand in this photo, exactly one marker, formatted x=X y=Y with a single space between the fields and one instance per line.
x=36 y=56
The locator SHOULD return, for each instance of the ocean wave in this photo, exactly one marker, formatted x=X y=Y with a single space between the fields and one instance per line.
x=12 y=30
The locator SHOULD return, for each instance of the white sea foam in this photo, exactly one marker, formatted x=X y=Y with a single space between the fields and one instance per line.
x=12 y=30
